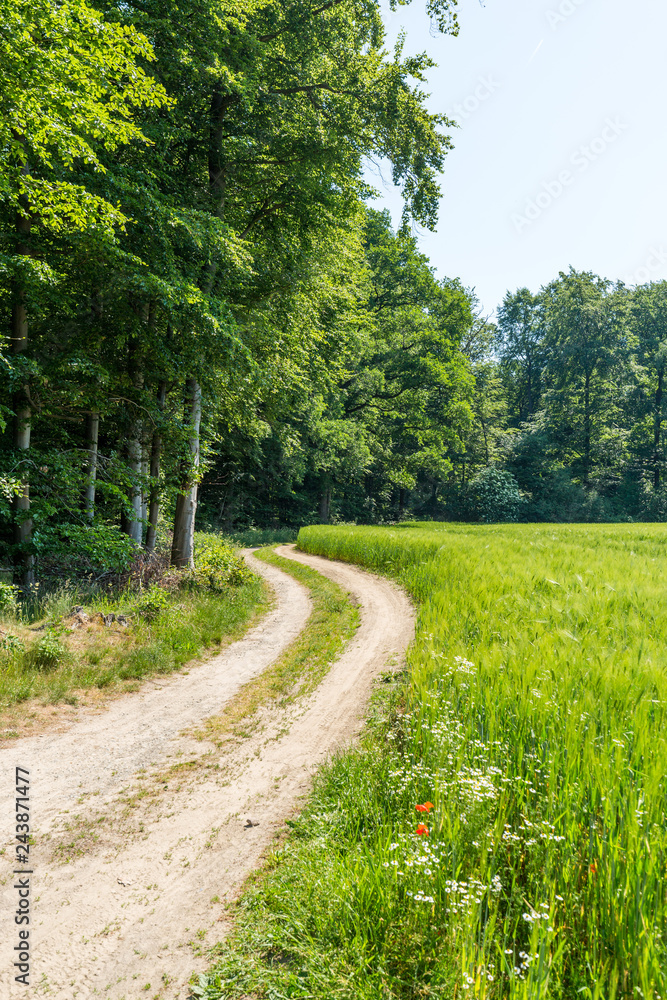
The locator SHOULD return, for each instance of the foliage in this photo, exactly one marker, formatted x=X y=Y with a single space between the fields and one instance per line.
x=97 y=547
x=152 y=603
x=48 y=652
x=8 y=598
x=385 y=409
x=70 y=82
x=216 y=565
x=566 y=395
x=184 y=223
x=11 y=644
x=493 y=495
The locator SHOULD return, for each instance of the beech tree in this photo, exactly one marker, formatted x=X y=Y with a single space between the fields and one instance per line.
x=70 y=84
x=181 y=181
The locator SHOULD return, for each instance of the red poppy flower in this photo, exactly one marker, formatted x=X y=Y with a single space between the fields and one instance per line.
x=422 y=830
x=425 y=808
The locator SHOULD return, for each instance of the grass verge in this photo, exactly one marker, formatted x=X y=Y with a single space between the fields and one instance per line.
x=160 y=629
x=304 y=663
x=500 y=832
x=254 y=537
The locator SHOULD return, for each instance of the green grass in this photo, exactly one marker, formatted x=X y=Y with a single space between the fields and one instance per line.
x=533 y=718
x=168 y=627
x=253 y=537
x=331 y=624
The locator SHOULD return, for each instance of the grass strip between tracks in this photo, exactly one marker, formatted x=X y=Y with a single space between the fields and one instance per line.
x=304 y=663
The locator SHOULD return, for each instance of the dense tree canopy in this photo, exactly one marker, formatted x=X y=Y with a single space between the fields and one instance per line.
x=185 y=247
x=205 y=316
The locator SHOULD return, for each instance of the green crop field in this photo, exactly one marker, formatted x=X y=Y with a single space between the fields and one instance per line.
x=532 y=719
x=534 y=722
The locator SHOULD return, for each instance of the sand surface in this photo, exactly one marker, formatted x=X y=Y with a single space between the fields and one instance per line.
x=143 y=832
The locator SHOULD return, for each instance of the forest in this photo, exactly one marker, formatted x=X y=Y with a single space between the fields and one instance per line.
x=205 y=320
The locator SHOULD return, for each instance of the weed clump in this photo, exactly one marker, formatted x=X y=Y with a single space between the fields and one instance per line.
x=47 y=653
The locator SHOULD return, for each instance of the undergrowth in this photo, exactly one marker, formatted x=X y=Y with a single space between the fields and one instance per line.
x=500 y=832
x=62 y=645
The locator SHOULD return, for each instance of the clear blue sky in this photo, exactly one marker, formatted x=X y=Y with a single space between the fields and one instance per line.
x=561 y=157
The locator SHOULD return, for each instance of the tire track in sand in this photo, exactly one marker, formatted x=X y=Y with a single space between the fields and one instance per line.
x=144 y=900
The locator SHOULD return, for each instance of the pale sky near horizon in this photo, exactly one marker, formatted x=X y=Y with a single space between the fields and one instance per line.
x=562 y=151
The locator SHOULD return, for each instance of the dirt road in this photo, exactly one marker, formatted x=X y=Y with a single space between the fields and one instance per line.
x=143 y=831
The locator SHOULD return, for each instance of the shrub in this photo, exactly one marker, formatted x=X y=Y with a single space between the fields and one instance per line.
x=11 y=644
x=653 y=504
x=493 y=495
x=47 y=653
x=216 y=565
x=152 y=603
x=8 y=598
x=86 y=547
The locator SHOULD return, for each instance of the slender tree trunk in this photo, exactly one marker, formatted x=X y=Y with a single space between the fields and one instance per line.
x=146 y=452
x=657 y=429
x=92 y=437
x=183 y=545
x=154 y=472
x=132 y=524
x=325 y=499
x=23 y=418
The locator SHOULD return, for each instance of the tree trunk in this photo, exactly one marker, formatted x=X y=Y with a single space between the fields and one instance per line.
x=132 y=525
x=657 y=429
x=154 y=473
x=325 y=499
x=183 y=545
x=146 y=453
x=23 y=419
x=92 y=437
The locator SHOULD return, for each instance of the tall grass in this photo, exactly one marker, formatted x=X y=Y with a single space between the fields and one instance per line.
x=533 y=721
x=254 y=537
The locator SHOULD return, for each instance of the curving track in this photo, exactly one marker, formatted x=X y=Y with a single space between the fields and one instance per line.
x=145 y=891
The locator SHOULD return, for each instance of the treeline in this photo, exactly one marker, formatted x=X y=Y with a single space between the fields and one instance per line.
x=203 y=317
x=574 y=392
x=554 y=413
x=187 y=264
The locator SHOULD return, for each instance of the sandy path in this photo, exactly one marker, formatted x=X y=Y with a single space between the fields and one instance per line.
x=143 y=893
